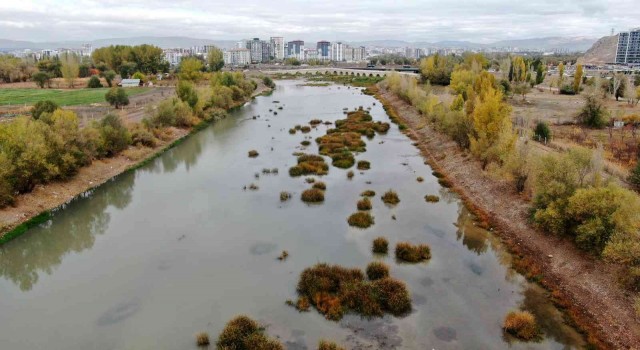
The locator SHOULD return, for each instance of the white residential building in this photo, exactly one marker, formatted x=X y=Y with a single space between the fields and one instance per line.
x=310 y=54
x=277 y=47
x=237 y=57
x=337 y=51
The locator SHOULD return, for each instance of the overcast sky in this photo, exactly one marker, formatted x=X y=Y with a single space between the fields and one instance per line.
x=353 y=20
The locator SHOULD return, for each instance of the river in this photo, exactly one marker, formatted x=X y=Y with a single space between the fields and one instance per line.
x=179 y=246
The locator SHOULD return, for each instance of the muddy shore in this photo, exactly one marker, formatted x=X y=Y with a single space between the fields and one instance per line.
x=586 y=287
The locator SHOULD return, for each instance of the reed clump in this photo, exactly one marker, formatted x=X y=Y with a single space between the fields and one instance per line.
x=202 y=339
x=305 y=129
x=309 y=164
x=244 y=333
x=329 y=345
x=361 y=219
x=350 y=174
x=380 y=245
x=391 y=197
x=312 y=195
x=305 y=143
x=432 y=198
x=364 y=165
x=377 y=270
x=419 y=179
x=521 y=324
x=285 y=196
x=368 y=193
x=320 y=185
x=364 y=204
x=315 y=121
x=253 y=153
x=411 y=253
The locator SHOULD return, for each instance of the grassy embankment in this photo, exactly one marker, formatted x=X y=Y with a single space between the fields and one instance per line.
x=61 y=97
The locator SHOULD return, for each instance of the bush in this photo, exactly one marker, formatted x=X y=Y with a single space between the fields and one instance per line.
x=542 y=132
x=328 y=345
x=253 y=153
x=94 y=83
x=312 y=195
x=243 y=333
x=202 y=339
x=364 y=204
x=521 y=324
x=368 y=193
x=364 y=165
x=268 y=82
x=320 y=185
x=567 y=90
x=380 y=245
x=140 y=135
x=361 y=219
x=432 y=198
x=412 y=253
x=42 y=79
x=186 y=92
x=634 y=177
x=114 y=135
x=42 y=107
x=593 y=114
x=390 y=197
x=117 y=97
x=377 y=270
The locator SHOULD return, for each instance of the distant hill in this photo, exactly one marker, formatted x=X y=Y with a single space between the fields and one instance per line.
x=575 y=44
x=164 y=42
x=603 y=51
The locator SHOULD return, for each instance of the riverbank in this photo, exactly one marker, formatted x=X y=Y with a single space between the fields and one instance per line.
x=34 y=207
x=586 y=287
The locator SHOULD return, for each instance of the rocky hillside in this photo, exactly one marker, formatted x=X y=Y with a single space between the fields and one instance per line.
x=603 y=51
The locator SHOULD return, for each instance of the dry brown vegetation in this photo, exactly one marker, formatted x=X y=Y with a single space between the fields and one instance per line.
x=432 y=198
x=377 y=270
x=312 y=195
x=329 y=345
x=412 y=253
x=309 y=164
x=521 y=324
x=368 y=193
x=364 y=204
x=253 y=153
x=390 y=197
x=243 y=333
x=361 y=219
x=202 y=339
x=364 y=165
x=380 y=245
x=320 y=185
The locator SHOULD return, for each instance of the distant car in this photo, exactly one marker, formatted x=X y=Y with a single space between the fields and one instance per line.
x=371 y=66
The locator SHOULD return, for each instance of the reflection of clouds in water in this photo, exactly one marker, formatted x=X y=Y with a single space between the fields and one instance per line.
x=445 y=333
x=381 y=332
x=427 y=281
x=434 y=231
x=418 y=299
x=262 y=248
x=297 y=341
x=475 y=268
x=118 y=313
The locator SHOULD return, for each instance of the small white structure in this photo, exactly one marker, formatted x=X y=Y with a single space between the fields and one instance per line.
x=130 y=83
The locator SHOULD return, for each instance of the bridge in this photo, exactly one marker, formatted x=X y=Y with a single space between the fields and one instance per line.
x=371 y=72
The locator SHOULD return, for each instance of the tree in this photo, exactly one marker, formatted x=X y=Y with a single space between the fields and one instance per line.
x=561 y=72
x=42 y=79
x=437 y=69
x=127 y=69
x=117 y=97
x=141 y=76
x=577 y=79
x=618 y=85
x=634 y=177
x=94 y=82
x=215 y=59
x=114 y=134
x=521 y=77
x=83 y=70
x=42 y=107
x=593 y=114
x=191 y=69
x=70 y=67
x=540 y=73
x=542 y=132
x=109 y=76
x=187 y=93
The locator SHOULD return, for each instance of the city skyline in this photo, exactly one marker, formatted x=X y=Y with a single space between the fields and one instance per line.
x=48 y=20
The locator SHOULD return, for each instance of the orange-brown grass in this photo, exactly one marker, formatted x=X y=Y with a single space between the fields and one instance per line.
x=312 y=195
x=244 y=333
x=380 y=245
x=432 y=198
x=364 y=165
x=253 y=153
x=390 y=197
x=377 y=270
x=364 y=204
x=521 y=324
x=309 y=164
x=335 y=290
x=320 y=185
x=412 y=253
x=303 y=304
x=202 y=339
x=361 y=219
x=368 y=193
x=329 y=345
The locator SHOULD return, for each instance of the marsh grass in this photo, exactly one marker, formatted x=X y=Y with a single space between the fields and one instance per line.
x=364 y=204
x=364 y=165
x=368 y=193
x=329 y=345
x=444 y=182
x=283 y=256
x=254 y=187
x=320 y=185
x=390 y=197
x=305 y=143
x=292 y=131
x=244 y=333
x=310 y=180
x=377 y=270
x=521 y=324
x=315 y=121
x=432 y=198
x=419 y=179
x=335 y=290
x=361 y=219
x=309 y=164
x=305 y=129
x=312 y=195
x=380 y=245
x=408 y=252
x=202 y=339
x=253 y=153
x=285 y=196
x=350 y=174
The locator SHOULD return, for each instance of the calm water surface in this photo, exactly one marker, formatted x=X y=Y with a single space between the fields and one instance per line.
x=177 y=247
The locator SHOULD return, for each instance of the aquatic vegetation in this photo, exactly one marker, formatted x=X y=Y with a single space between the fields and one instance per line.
x=303 y=304
x=312 y=195
x=310 y=180
x=315 y=121
x=364 y=204
x=284 y=255
x=335 y=290
x=521 y=324
x=344 y=160
x=243 y=333
x=431 y=198
x=309 y=164
x=329 y=345
x=368 y=193
x=253 y=153
x=361 y=219
x=284 y=196
x=253 y=187
x=305 y=129
x=202 y=339
x=350 y=174
x=380 y=245
x=377 y=270
x=305 y=143
x=419 y=179
x=444 y=182
x=412 y=253
x=320 y=185
x=292 y=131
x=390 y=197
x=437 y=174
x=298 y=127
x=364 y=165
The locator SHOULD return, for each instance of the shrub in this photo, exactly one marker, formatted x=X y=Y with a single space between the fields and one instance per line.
x=186 y=92
x=42 y=107
x=268 y=82
x=253 y=153
x=115 y=137
x=593 y=114
x=243 y=333
x=431 y=198
x=364 y=165
x=320 y=185
x=380 y=245
x=328 y=345
x=521 y=324
x=634 y=177
x=303 y=304
x=94 y=83
x=368 y=193
x=361 y=219
x=412 y=253
x=377 y=270
x=202 y=339
x=312 y=195
x=140 y=135
x=567 y=90
x=542 y=132
x=117 y=97
x=364 y=204
x=390 y=197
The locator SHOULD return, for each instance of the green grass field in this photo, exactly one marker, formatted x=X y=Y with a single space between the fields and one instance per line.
x=61 y=97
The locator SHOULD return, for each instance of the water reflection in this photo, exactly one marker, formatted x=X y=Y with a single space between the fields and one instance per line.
x=43 y=248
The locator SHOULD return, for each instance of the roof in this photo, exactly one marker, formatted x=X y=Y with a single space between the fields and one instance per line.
x=130 y=81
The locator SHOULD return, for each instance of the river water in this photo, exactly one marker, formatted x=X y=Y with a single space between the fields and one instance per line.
x=178 y=246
